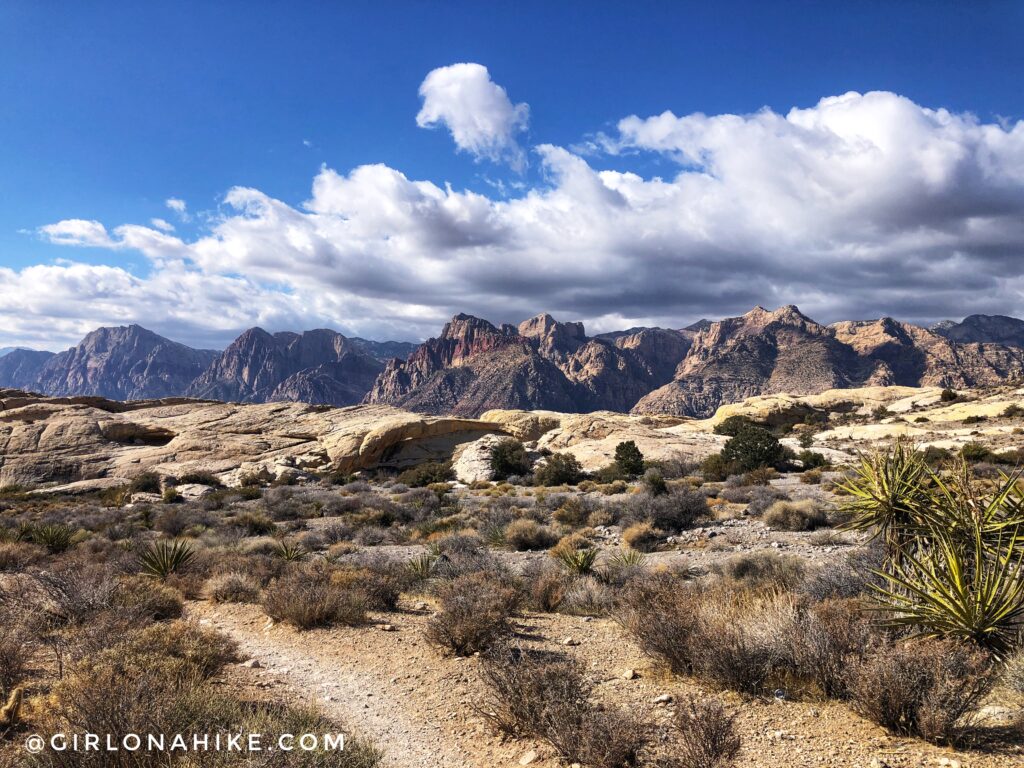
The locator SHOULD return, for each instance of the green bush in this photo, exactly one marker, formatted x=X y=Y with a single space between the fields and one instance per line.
x=753 y=448
x=975 y=452
x=629 y=458
x=559 y=469
x=427 y=474
x=733 y=425
x=509 y=458
x=811 y=459
x=948 y=396
x=716 y=469
x=147 y=482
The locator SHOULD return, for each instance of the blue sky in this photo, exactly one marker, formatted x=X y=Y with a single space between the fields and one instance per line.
x=110 y=109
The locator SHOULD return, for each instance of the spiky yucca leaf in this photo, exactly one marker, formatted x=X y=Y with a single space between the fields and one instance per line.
x=290 y=552
x=951 y=587
x=578 y=561
x=887 y=493
x=628 y=558
x=162 y=558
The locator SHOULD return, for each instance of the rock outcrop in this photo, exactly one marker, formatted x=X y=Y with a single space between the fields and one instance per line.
x=122 y=363
x=320 y=367
x=474 y=366
x=73 y=440
x=784 y=351
x=984 y=329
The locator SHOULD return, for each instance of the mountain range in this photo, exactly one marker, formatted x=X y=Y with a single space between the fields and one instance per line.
x=473 y=365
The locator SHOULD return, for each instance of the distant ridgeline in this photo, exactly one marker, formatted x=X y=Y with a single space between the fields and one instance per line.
x=474 y=366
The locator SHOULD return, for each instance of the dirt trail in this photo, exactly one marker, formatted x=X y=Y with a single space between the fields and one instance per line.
x=377 y=683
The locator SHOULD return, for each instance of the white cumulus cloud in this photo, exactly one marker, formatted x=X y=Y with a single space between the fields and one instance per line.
x=859 y=206
x=477 y=111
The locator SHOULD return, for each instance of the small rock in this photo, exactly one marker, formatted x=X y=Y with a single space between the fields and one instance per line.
x=629 y=674
x=664 y=699
x=252 y=664
x=570 y=641
x=529 y=757
x=387 y=627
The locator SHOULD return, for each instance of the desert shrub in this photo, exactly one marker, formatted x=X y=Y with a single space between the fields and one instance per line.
x=948 y=396
x=811 y=477
x=1013 y=672
x=803 y=515
x=653 y=482
x=1012 y=411
x=204 y=650
x=559 y=469
x=18 y=555
x=733 y=425
x=426 y=474
x=811 y=459
x=509 y=457
x=381 y=580
x=762 y=497
x=546 y=697
x=610 y=473
x=744 y=640
x=153 y=600
x=16 y=653
x=642 y=537
x=660 y=614
x=524 y=535
x=707 y=736
x=928 y=688
x=834 y=637
x=574 y=511
x=975 y=452
x=147 y=482
x=934 y=455
x=629 y=458
x=55 y=537
x=752 y=448
x=475 y=609
x=974 y=419
x=306 y=597
x=672 y=512
x=545 y=586
x=586 y=596
x=715 y=468
x=764 y=569
x=200 y=477
x=233 y=587
x=253 y=523
x=759 y=476
x=849 y=577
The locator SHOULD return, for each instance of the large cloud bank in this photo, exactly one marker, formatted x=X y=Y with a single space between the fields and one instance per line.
x=862 y=205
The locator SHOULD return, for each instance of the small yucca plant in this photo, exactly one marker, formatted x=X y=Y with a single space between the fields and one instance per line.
x=628 y=558
x=56 y=537
x=290 y=552
x=578 y=561
x=162 y=558
x=422 y=565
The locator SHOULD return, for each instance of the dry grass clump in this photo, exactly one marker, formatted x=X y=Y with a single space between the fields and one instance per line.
x=926 y=688
x=16 y=556
x=545 y=586
x=835 y=636
x=150 y=599
x=707 y=735
x=803 y=515
x=306 y=597
x=642 y=537
x=204 y=650
x=546 y=696
x=1013 y=672
x=526 y=535
x=475 y=611
x=232 y=587
x=765 y=568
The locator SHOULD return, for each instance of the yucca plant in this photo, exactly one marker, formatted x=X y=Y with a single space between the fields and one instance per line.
x=887 y=494
x=55 y=537
x=162 y=558
x=957 y=587
x=421 y=566
x=627 y=558
x=290 y=552
x=578 y=561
